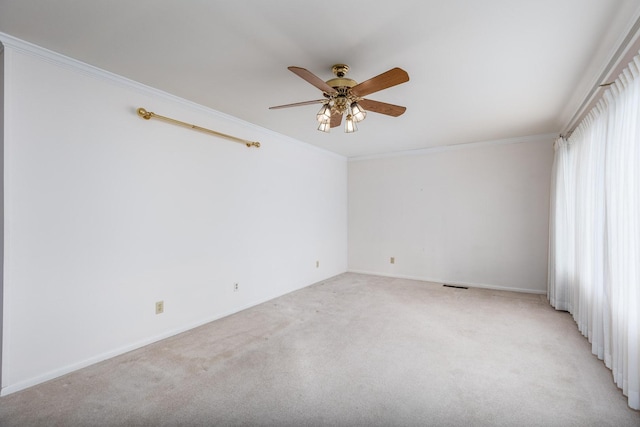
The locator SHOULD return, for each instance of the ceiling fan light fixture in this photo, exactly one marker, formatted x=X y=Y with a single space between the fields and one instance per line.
x=325 y=126
x=342 y=96
x=358 y=113
x=350 y=124
x=324 y=115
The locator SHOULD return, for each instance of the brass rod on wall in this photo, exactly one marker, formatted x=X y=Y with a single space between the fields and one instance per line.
x=148 y=115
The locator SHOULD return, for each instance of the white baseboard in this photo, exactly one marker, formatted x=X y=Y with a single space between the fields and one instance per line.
x=134 y=346
x=56 y=373
x=109 y=354
x=451 y=282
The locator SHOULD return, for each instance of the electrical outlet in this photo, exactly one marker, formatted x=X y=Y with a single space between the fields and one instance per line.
x=236 y=287
x=392 y=260
x=317 y=264
x=160 y=307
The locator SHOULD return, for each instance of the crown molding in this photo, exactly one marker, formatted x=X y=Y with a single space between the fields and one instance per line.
x=545 y=137
x=59 y=59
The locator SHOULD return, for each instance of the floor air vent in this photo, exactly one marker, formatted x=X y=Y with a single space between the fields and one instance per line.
x=454 y=286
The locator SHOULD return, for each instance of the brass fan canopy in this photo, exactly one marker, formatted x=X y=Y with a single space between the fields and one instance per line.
x=340 y=70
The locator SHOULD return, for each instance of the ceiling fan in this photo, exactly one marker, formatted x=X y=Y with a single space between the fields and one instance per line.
x=343 y=95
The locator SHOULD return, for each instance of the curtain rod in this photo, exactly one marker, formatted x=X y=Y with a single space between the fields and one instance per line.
x=620 y=60
x=148 y=115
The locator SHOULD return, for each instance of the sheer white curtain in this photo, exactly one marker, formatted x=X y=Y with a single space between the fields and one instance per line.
x=561 y=238
x=594 y=251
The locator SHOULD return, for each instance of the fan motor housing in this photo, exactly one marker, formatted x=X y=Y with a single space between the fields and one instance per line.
x=341 y=82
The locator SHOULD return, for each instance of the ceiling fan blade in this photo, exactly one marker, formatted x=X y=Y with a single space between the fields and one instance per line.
x=336 y=119
x=393 y=77
x=298 y=104
x=382 y=107
x=312 y=78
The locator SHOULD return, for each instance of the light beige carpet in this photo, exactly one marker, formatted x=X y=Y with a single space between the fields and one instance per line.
x=354 y=350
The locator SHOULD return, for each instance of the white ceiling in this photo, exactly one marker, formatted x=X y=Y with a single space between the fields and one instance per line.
x=480 y=70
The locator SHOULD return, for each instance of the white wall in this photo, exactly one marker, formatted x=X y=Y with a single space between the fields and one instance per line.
x=474 y=216
x=107 y=213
